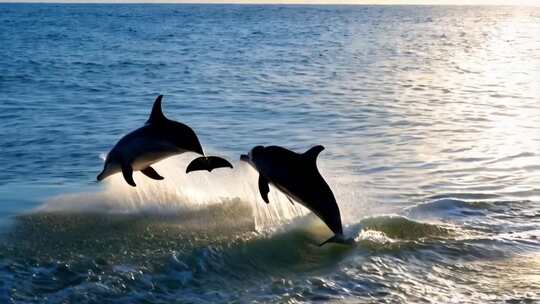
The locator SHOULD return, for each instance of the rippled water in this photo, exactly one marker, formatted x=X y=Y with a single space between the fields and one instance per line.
x=430 y=117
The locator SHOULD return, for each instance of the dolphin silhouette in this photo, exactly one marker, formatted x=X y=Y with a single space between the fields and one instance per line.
x=297 y=176
x=158 y=139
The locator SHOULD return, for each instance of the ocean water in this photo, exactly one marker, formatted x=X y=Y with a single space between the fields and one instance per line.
x=430 y=117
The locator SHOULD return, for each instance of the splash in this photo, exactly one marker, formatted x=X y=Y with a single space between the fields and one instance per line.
x=229 y=193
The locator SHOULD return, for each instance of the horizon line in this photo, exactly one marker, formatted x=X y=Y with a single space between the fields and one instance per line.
x=523 y=3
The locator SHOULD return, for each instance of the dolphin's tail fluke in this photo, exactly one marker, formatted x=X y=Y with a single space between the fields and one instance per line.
x=208 y=163
x=338 y=239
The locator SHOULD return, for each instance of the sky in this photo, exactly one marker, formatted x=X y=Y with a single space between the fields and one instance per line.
x=427 y=2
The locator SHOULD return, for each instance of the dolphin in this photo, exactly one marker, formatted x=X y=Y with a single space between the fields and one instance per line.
x=297 y=176
x=158 y=139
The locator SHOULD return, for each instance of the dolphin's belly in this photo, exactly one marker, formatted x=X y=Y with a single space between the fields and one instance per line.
x=141 y=153
x=298 y=197
x=290 y=194
x=317 y=202
x=145 y=160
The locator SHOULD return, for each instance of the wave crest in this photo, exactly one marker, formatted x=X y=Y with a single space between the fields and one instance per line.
x=399 y=227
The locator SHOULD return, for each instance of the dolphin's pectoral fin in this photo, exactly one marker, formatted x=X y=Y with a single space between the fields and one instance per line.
x=150 y=172
x=264 y=188
x=290 y=200
x=127 y=172
x=208 y=163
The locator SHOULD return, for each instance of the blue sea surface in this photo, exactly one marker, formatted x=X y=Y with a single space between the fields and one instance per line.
x=430 y=118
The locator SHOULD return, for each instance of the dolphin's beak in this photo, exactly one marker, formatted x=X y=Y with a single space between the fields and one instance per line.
x=104 y=174
x=244 y=157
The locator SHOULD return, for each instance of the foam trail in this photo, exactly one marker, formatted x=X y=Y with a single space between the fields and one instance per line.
x=179 y=193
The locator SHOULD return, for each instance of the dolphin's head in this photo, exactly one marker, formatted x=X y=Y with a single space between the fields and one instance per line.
x=110 y=167
x=255 y=154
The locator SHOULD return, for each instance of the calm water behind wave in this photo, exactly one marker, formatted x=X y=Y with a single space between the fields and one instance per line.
x=430 y=117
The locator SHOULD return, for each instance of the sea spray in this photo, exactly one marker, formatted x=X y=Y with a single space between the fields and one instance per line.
x=180 y=193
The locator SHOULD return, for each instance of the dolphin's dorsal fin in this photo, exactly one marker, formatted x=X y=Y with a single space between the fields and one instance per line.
x=264 y=188
x=312 y=153
x=156 y=115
